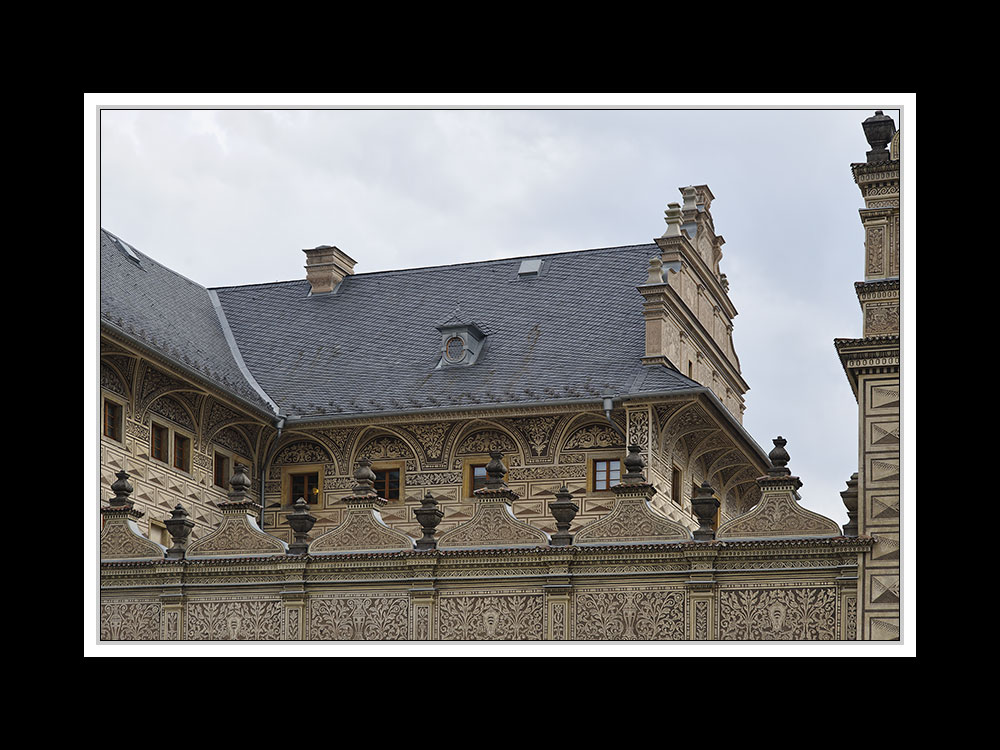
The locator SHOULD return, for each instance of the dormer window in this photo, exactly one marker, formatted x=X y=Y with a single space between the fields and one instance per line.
x=454 y=349
x=461 y=341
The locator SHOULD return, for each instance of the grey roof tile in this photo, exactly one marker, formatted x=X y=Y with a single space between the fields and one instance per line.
x=169 y=314
x=574 y=332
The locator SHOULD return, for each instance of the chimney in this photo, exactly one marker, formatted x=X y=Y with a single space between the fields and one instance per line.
x=326 y=266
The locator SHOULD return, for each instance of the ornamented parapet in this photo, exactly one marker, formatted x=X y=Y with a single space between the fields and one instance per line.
x=120 y=537
x=363 y=528
x=632 y=520
x=238 y=535
x=493 y=524
x=778 y=514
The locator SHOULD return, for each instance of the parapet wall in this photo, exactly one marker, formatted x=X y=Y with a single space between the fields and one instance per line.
x=791 y=589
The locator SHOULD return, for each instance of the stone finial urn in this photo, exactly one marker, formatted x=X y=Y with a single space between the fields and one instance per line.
x=495 y=471
x=705 y=505
x=301 y=521
x=179 y=526
x=779 y=458
x=634 y=466
x=122 y=489
x=429 y=516
x=364 y=478
x=850 y=498
x=564 y=510
x=879 y=129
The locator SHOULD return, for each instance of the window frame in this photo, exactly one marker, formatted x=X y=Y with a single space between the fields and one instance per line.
x=187 y=454
x=154 y=429
x=607 y=480
x=399 y=466
x=605 y=455
x=119 y=421
x=288 y=470
x=677 y=486
x=469 y=465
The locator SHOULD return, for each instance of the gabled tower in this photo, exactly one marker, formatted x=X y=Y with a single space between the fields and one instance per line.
x=689 y=316
x=872 y=367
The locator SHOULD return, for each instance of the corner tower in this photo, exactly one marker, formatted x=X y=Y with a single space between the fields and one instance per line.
x=872 y=367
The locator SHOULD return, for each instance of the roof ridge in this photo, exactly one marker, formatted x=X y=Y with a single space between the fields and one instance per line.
x=421 y=269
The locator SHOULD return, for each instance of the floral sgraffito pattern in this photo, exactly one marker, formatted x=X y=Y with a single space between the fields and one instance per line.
x=359 y=618
x=630 y=616
x=131 y=621
x=258 y=620
x=792 y=614
x=491 y=618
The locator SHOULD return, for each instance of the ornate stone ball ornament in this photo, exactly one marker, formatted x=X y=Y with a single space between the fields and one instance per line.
x=429 y=516
x=301 y=521
x=179 y=526
x=779 y=458
x=364 y=478
x=122 y=489
x=705 y=505
x=879 y=129
x=850 y=498
x=495 y=472
x=634 y=466
x=564 y=510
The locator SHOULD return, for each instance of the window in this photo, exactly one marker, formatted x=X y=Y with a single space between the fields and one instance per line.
x=182 y=452
x=387 y=483
x=158 y=442
x=607 y=473
x=112 y=420
x=675 y=486
x=477 y=472
x=222 y=472
x=305 y=486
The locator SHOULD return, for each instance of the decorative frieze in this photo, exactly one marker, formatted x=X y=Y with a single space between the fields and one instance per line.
x=749 y=613
x=630 y=614
x=492 y=616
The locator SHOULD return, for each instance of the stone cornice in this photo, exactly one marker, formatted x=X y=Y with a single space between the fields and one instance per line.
x=528 y=555
x=875 y=171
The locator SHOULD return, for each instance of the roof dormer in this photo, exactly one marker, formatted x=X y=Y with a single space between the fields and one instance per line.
x=461 y=341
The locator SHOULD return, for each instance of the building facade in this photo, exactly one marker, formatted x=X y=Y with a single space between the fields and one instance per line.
x=547 y=447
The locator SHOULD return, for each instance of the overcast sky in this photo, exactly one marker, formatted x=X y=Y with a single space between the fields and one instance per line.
x=230 y=197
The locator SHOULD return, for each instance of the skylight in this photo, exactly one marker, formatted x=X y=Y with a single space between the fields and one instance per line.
x=530 y=267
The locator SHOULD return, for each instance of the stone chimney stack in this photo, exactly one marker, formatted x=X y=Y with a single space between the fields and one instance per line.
x=326 y=266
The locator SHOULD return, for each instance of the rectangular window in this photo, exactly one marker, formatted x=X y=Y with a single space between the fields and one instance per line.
x=221 y=470
x=675 y=486
x=182 y=452
x=304 y=486
x=387 y=483
x=607 y=473
x=158 y=442
x=478 y=474
x=112 y=420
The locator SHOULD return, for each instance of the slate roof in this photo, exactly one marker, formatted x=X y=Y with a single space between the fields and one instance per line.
x=576 y=331
x=170 y=315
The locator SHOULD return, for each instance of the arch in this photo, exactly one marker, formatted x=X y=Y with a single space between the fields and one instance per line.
x=173 y=409
x=299 y=448
x=384 y=449
x=602 y=435
x=461 y=443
